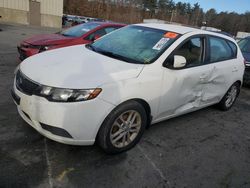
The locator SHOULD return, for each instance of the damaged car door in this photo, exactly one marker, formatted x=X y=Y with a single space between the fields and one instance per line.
x=222 y=56
x=183 y=86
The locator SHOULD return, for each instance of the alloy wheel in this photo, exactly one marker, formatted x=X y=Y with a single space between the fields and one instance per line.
x=231 y=96
x=125 y=128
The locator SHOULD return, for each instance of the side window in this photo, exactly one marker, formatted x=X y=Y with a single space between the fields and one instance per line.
x=192 y=50
x=110 y=29
x=219 y=50
x=234 y=48
x=246 y=47
x=98 y=33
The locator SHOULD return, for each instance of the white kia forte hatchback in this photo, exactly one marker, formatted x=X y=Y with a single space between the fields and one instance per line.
x=111 y=90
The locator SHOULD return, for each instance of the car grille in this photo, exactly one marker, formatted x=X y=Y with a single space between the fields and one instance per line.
x=22 y=54
x=25 y=85
x=26 y=45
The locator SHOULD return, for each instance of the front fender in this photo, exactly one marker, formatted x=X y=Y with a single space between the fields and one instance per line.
x=135 y=88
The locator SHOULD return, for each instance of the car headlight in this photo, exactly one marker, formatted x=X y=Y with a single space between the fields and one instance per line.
x=67 y=95
x=45 y=48
x=16 y=69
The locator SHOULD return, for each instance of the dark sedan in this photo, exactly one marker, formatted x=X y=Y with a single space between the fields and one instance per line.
x=245 y=48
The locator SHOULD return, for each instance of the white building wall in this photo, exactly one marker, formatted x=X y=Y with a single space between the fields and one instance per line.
x=15 y=4
x=18 y=11
x=50 y=7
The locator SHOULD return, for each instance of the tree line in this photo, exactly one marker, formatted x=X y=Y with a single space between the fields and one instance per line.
x=134 y=11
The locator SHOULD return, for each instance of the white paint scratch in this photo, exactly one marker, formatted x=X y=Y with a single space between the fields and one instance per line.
x=48 y=163
x=154 y=165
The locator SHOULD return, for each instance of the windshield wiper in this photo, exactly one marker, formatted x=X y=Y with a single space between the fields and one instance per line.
x=89 y=46
x=117 y=56
x=65 y=35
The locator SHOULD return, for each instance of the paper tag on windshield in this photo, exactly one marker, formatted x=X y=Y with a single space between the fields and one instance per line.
x=83 y=29
x=159 y=45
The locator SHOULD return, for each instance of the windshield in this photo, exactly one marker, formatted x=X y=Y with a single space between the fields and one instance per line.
x=79 y=30
x=134 y=44
x=244 y=45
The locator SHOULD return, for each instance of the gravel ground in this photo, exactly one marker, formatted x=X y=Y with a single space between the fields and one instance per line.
x=207 y=148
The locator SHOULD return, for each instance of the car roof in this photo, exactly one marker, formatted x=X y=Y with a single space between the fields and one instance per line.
x=108 y=23
x=183 y=29
x=170 y=27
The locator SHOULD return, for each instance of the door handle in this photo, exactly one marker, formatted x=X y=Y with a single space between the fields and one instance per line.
x=203 y=77
x=235 y=69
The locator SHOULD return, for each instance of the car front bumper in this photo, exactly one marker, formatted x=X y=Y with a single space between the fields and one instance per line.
x=26 y=52
x=69 y=123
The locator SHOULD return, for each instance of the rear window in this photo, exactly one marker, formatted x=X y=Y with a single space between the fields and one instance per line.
x=220 y=50
x=233 y=47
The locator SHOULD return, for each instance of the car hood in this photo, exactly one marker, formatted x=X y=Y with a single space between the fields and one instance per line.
x=48 y=39
x=77 y=67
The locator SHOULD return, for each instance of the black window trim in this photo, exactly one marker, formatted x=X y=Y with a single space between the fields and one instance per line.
x=204 y=52
x=227 y=42
x=236 y=53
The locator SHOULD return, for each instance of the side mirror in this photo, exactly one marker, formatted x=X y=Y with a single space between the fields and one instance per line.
x=179 y=61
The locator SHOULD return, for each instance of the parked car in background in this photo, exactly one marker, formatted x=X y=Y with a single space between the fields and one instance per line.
x=245 y=49
x=241 y=35
x=109 y=91
x=78 y=20
x=80 y=34
x=71 y=20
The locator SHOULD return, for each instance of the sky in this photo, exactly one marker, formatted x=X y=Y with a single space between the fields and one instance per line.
x=239 y=6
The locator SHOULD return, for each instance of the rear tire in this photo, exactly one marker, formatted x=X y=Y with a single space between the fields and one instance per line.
x=123 y=128
x=230 y=97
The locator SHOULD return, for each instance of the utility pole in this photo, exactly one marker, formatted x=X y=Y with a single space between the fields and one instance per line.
x=197 y=18
x=172 y=15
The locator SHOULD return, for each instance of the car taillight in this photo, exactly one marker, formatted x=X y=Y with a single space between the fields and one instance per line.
x=245 y=63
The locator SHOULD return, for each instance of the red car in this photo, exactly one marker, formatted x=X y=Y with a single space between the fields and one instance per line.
x=80 y=34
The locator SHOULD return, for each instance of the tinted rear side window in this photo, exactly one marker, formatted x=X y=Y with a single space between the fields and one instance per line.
x=219 y=50
x=233 y=47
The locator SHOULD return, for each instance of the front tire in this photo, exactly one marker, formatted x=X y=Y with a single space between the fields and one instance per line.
x=230 y=97
x=123 y=128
